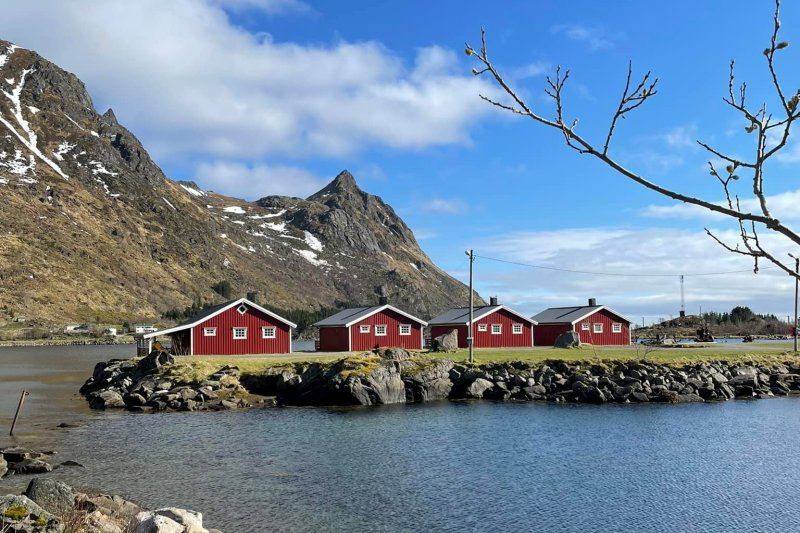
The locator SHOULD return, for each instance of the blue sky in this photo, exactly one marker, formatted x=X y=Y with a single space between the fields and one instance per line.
x=255 y=97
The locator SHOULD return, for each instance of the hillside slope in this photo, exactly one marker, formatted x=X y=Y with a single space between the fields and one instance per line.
x=93 y=230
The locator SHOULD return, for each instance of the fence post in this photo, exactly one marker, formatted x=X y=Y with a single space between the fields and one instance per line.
x=16 y=414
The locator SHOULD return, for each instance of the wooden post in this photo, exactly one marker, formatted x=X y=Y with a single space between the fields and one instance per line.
x=16 y=414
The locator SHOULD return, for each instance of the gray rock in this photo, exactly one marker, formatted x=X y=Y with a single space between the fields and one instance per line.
x=396 y=354
x=447 y=342
x=168 y=520
x=568 y=339
x=152 y=362
x=107 y=399
x=3 y=466
x=36 y=519
x=53 y=496
x=31 y=466
x=478 y=387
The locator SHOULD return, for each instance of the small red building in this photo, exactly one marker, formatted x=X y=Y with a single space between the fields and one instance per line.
x=368 y=328
x=494 y=326
x=595 y=324
x=237 y=327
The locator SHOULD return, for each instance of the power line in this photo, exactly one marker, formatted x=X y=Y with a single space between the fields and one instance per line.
x=620 y=274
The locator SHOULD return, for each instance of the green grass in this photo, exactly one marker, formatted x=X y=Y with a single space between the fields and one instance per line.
x=195 y=368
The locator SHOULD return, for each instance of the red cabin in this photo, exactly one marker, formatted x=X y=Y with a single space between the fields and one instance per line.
x=238 y=327
x=595 y=324
x=368 y=328
x=494 y=326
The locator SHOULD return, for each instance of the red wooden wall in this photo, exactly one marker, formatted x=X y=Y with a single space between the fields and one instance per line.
x=333 y=339
x=393 y=339
x=546 y=334
x=485 y=339
x=607 y=338
x=224 y=343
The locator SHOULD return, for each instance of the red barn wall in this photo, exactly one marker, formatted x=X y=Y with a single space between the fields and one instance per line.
x=485 y=339
x=392 y=339
x=546 y=334
x=607 y=338
x=224 y=343
x=333 y=339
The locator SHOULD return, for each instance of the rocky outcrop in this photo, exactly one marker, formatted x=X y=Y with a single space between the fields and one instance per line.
x=50 y=506
x=22 y=461
x=147 y=385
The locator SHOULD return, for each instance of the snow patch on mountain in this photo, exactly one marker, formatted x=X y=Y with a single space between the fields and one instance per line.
x=234 y=209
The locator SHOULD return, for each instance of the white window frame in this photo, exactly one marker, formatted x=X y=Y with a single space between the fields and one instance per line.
x=483 y=327
x=242 y=309
x=380 y=328
x=585 y=326
x=363 y=328
x=499 y=329
x=408 y=329
x=264 y=330
x=209 y=332
x=517 y=329
x=616 y=327
x=597 y=327
x=239 y=338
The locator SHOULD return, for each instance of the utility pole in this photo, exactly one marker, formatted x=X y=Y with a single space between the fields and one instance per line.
x=471 y=254
x=797 y=272
x=683 y=299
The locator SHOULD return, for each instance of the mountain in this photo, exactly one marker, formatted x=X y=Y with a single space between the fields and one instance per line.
x=93 y=230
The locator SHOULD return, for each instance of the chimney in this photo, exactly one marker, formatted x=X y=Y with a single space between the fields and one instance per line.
x=493 y=300
x=252 y=296
x=592 y=302
x=383 y=300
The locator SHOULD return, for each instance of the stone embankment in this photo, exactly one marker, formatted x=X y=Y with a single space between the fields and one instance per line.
x=51 y=506
x=396 y=376
x=145 y=385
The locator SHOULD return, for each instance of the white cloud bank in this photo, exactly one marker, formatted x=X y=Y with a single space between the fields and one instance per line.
x=255 y=181
x=189 y=82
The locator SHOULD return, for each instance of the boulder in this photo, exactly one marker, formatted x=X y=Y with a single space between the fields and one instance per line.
x=568 y=339
x=31 y=466
x=55 y=497
x=428 y=382
x=478 y=387
x=97 y=522
x=3 y=466
x=106 y=399
x=168 y=520
x=448 y=342
x=21 y=514
x=153 y=361
x=396 y=354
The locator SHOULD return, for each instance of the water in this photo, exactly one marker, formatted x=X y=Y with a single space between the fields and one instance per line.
x=456 y=466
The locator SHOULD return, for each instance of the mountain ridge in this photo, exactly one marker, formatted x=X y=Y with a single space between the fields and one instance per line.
x=93 y=230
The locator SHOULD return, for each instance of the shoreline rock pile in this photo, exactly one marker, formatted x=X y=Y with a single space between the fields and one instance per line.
x=144 y=385
x=52 y=506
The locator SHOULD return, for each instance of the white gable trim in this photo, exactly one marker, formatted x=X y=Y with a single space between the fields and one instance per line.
x=234 y=303
x=601 y=308
x=384 y=308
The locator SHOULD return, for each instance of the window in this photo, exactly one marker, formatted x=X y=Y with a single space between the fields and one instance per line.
x=268 y=332
x=616 y=328
x=380 y=330
x=516 y=329
x=597 y=327
x=242 y=309
x=585 y=326
x=405 y=329
x=363 y=329
x=481 y=327
x=239 y=333
x=209 y=332
x=497 y=329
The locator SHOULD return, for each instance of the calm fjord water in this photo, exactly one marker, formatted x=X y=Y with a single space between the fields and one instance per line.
x=472 y=466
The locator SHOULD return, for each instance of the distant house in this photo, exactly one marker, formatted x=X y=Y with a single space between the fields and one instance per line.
x=111 y=332
x=368 y=328
x=237 y=327
x=595 y=324
x=144 y=328
x=494 y=326
x=77 y=329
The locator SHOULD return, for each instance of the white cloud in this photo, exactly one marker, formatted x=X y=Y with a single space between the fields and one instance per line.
x=681 y=137
x=450 y=206
x=595 y=38
x=271 y=7
x=531 y=70
x=256 y=181
x=189 y=82
x=629 y=251
x=783 y=206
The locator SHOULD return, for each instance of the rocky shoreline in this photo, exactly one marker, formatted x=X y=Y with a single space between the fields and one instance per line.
x=397 y=376
x=51 y=506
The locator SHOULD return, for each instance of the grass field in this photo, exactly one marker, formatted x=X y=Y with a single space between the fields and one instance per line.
x=201 y=366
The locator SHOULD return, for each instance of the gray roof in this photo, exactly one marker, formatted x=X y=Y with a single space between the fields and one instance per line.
x=460 y=315
x=349 y=316
x=569 y=315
